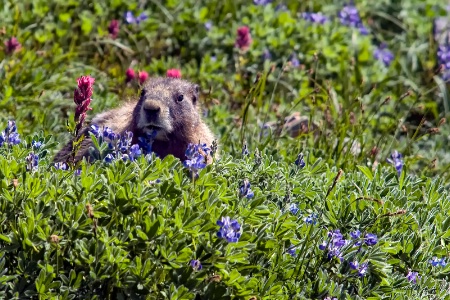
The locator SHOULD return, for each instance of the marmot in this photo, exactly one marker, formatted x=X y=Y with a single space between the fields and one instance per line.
x=169 y=105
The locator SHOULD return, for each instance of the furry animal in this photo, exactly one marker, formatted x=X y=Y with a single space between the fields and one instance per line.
x=168 y=105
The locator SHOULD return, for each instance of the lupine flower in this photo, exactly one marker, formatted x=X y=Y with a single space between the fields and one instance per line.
x=412 y=276
x=95 y=130
x=245 y=151
x=143 y=76
x=355 y=234
x=113 y=28
x=266 y=55
x=129 y=75
x=32 y=161
x=318 y=18
x=281 y=7
x=293 y=208
x=135 y=151
x=245 y=191
x=82 y=98
x=311 y=219
x=145 y=142
x=294 y=61
x=109 y=158
x=77 y=172
x=396 y=160
x=229 y=229
x=196 y=160
x=361 y=268
x=12 y=45
x=300 y=162
x=61 y=166
x=349 y=16
x=10 y=135
x=208 y=25
x=262 y=2
x=292 y=251
x=244 y=39
x=131 y=19
x=383 y=54
x=335 y=244
x=443 y=58
x=173 y=73
x=36 y=144
x=370 y=239
x=196 y=265
x=438 y=262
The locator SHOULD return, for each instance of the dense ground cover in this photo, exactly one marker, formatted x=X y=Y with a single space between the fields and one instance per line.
x=357 y=208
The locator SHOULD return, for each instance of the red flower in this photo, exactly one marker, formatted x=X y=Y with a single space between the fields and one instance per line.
x=82 y=98
x=12 y=45
x=244 y=38
x=113 y=28
x=142 y=76
x=174 y=73
x=130 y=75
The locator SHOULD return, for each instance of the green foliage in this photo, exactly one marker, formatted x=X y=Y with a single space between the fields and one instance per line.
x=130 y=229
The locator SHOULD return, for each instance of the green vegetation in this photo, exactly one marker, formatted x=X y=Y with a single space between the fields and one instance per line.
x=353 y=206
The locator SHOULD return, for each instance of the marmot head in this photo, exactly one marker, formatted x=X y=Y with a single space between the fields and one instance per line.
x=168 y=105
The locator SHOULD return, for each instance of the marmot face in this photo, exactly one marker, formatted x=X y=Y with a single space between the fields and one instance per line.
x=168 y=105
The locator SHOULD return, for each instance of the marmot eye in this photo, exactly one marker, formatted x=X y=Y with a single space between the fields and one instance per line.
x=180 y=98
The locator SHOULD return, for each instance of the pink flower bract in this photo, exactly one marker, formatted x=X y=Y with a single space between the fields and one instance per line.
x=82 y=98
x=12 y=45
x=142 y=76
x=113 y=28
x=174 y=73
x=244 y=39
x=130 y=75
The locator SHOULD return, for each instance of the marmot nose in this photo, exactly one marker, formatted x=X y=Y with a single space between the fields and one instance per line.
x=152 y=107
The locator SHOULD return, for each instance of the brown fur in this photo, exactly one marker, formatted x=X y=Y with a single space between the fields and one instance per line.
x=179 y=122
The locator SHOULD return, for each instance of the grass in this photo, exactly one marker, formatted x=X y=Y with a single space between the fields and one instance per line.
x=131 y=229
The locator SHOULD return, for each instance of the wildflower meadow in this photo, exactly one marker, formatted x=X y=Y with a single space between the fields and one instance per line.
x=330 y=172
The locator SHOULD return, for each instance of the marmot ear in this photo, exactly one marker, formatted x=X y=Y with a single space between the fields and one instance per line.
x=196 y=93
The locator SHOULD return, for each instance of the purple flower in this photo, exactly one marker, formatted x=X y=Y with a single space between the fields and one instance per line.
x=371 y=239
x=10 y=135
x=443 y=57
x=208 y=25
x=412 y=276
x=384 y=55
x=131 y=19
x=318 y=18
x=438 y=262
x=262 y=2
x=196 y=265
x=36 y=144
x=135 y=152
x=266 y=55
x=245 y=151
x=146 y=142
x=229 y=229
x=396 y=160
x=32 y=161
x=311 y=219
x=335 y=244
x=300 y=162
x=196 y=157
x=245 y=190
x=292 y=251
x=355 y=234
x=61 y=166
x=109 y=158
x=349 y=16
x=361 y=268
x=293 y=208
x=294 y=61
